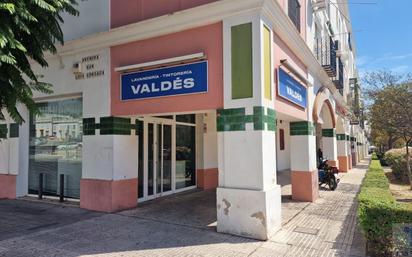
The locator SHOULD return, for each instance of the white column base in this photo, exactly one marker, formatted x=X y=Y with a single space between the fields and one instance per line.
x=249 y=213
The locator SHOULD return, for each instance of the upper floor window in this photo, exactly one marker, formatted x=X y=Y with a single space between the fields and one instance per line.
x=294 y=12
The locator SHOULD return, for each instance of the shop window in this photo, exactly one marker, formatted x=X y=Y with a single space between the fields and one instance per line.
x=59 y=150
x=187 y=118
x=281 y=139
x=185 y=156
x=169 y=117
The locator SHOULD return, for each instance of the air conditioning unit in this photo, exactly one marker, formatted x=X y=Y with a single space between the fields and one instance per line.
x=77 y=68
x=319 y=5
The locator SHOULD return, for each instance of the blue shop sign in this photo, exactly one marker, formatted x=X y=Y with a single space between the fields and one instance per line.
x=290 y=89
x=176 y=80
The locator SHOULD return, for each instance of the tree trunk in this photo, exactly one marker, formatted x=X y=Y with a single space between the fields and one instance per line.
x=390 y=142
x=408 y=164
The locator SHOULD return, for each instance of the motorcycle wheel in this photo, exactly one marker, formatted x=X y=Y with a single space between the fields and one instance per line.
x=332 y=183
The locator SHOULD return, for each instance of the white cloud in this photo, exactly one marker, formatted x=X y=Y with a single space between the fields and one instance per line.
x=384 y=58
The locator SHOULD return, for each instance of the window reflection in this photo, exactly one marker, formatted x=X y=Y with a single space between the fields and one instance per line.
x=185 y=156
x=56 y=147
x=187 y=118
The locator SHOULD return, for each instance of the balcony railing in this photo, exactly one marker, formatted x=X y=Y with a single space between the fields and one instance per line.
x=325 y=52
x=338 y=80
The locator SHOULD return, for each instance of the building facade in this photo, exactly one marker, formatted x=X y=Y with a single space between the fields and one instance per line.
x=155 y=97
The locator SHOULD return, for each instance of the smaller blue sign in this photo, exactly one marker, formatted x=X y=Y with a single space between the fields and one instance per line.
x=290 y=89
x=176 y=80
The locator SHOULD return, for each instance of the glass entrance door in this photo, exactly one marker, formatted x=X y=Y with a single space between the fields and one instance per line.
x=164 y=159
x=158 y=174
x=167 y=156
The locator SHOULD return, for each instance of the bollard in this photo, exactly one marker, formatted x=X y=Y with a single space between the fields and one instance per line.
x=61 y=187
x=40 y=185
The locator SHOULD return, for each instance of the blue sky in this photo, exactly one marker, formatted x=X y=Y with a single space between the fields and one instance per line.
x=383 y=34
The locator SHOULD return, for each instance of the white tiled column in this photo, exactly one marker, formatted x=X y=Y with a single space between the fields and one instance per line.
x=110 y=163
x=330 y=149
x=304 y=175
x=248 y=198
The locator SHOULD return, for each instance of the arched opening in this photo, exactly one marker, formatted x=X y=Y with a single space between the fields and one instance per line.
x=342 y=137
x=325 y=122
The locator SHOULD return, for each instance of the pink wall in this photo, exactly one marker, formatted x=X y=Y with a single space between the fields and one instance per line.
x=108 y=195
x=207 y=179
x=282 y=51
x=124 y=12
x=207 y=39
x=7 y=186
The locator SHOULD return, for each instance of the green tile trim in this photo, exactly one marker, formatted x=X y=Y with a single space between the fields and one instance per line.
x=271 y=119
x=259 y=118
x=109 y=126
x=14 y=130
x=236 y=119
x=138 y=126
x=3 y=131
x=232 y=119
x=341 y=137
x=302 y=128
x=347 y=138
x=89 y=126
x=115 y=126
x=328 y=132
x=242 y=61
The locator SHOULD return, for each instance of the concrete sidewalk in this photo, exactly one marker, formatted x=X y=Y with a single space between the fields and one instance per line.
x=175 y=226
x=327 y=227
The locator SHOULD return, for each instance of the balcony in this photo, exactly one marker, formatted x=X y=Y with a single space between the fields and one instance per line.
x=325 y=52
x=338 y=80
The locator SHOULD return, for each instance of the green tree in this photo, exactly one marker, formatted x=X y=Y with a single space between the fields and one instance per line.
x=28 y=29
x=390 y=110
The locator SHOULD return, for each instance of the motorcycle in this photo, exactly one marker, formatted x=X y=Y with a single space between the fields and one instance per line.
x=328 y=175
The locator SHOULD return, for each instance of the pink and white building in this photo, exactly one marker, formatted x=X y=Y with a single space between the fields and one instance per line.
x=155 y=97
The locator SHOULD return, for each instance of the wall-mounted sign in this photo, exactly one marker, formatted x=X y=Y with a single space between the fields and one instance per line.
x=354 y=122
x=290 y=89
x=88 y=68
x=177 y=80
